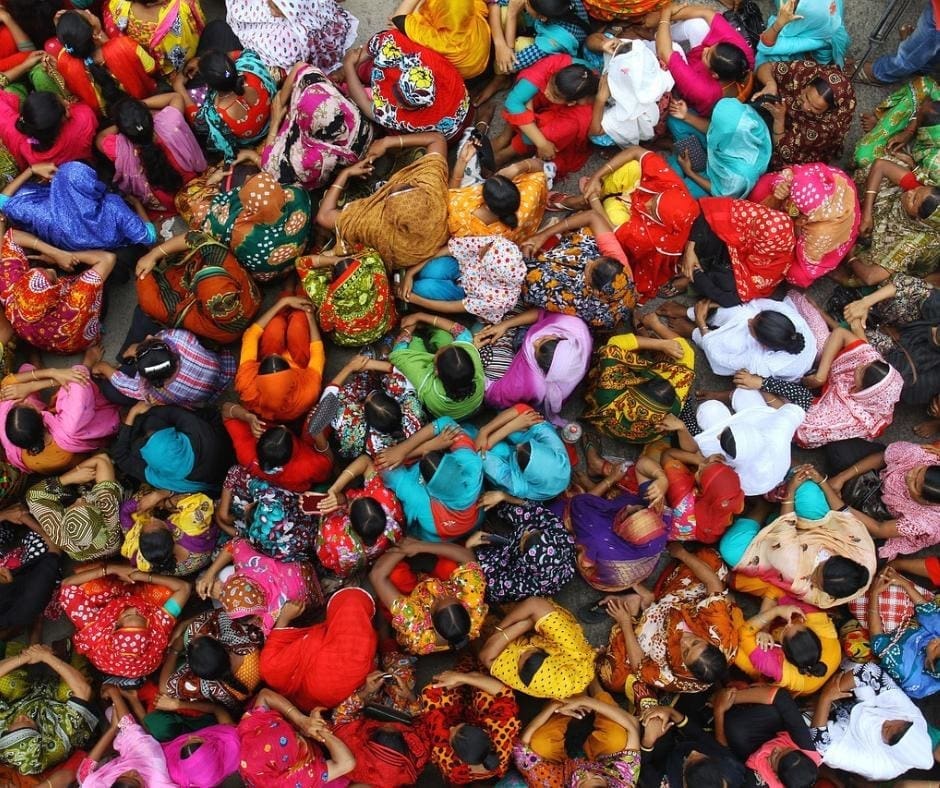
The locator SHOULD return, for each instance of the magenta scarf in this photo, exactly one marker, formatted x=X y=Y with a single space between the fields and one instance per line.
x=217 y=757
x=524 y=381
x=174 y=134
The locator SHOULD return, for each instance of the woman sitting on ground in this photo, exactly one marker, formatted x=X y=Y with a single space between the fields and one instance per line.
x=44 y=127
x=437 y=474
x=436 y=604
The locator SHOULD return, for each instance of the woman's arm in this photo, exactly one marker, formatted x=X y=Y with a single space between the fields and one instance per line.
x=616 y=715
x=23 y=41
x=664 y=34
x=341 y=760
x=149 y=261
x=384 y=589
x=873 y=462
x=204 y=584
x=538 y=721
x=354 y=86
x=701 y=570
x=455 y=552
x=78 y=685
x=838 y=340
x=180 y=588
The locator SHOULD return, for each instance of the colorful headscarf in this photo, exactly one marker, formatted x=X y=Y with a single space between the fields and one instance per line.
x=809 y=501
x=274 y=754
x=192 y=517
x=416 y=83
x=739 y=148
x=719 y=496
x=377 y=764
x=217 y=757
x=242 y=597
x=492 y=282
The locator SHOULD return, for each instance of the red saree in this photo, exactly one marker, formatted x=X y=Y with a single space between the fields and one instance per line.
x=122 y=59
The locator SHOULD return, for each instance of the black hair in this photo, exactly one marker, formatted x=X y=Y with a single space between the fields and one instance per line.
x=209 y=660
x=604 y=272
x=189 y=748
x=473 y=746
x=930 y=491
x=703 y=773
x=155 y=361
x=383 y=413
x=368 y=519
x=340 y=268
x=546 y=354
x=41 y=117
x=78 y=38
x=501 y=196
x=659 y=390
x=804 y=650
x=25 y=428
x=218 y=71
x=559 y=10
x=874 y=373
x=157 y=547
x=729 y=62
x=775 y=331
x=271 y=364
x=36 y=17
x=134 y=121
x=843 y=577
x=576 y=82
x=896 y=737
x=429 y=464
x=531 y=666
x=727 y=442
x=523 y=455
x=577 y=732
x=824 y=89
x=930 y=115
x=930 y=204
x=126 y=782
x=456 y=373
x=391 y=739
x=275 y=448
x=797 y=770
x=452 y=622
x=711 y=666
x=760 y=105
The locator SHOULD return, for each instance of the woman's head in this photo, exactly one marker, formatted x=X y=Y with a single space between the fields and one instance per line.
x=368 y=519
x=545 y=353
x=842 y=577
x=868 y=375
x=452 y=622
x=572 y=84
x=602 y=274
x=704 y=660
x=456 y=372
x=208 y=658
x=728 y=445
x=700 y=771
x=156 y=363
x=657 y=390
x=271 y=364
x=41 y=116
x=134 y=121
x=502 y=197
x=429 y=464
x=25 y=429
x=795 y=769
x=523 y=455
x=275 y=449
x=775 y=331
x=802 y=648
x=923 y=482
x=218 y=71
x=75 y=34
x=817 y=97
x=472 y=745
x=726 y=62
x=156 y=545
x=383 y=413
x=531 y=665
x=931 y=654
x=922 y=202
x=128 y=780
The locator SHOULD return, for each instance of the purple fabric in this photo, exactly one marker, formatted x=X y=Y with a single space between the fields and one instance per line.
x=172 y=130
x=524 y=381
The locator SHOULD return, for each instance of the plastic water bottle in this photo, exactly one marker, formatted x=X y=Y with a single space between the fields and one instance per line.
x=571 y=433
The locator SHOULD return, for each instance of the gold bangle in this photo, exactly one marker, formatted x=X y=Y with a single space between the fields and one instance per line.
x=855 y=468
x=665 y=21
x=789 y=500
x=33 y=373
x=337 y=186
x=401 y=142
x=871 y=191
x=505 y=636
x=434 y=322
x=609 y=168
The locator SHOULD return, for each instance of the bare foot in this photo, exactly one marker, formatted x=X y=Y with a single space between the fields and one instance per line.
x=905 y=31
x=496 y=84
x=722 y=396
x=672 y=309
x=485 y=113
x=927 y=429
x=868 y=121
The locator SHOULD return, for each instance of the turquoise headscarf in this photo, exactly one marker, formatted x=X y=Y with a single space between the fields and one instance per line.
x=548 y=472
x=739 y=148
x=735 y=541
x=810 y=502
x=457 y=484
x=820 y=35
x=170 y=459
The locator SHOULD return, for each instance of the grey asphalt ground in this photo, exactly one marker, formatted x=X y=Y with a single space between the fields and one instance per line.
x=861 y=16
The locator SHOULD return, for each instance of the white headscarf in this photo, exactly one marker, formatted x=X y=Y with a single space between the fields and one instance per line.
x=859 y=748
x=637 y=83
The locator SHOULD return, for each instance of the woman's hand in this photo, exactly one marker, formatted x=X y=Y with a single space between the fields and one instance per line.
x=857 y=311
x=492 y=498
x=204 y=585
x=44 y=170
x=360 y=169
x=866 y=225
x=505 y=58
x=672 y=423
x=546 y=150
x=83 y=473
x=77 y=374
x=702 y=307
x=333 y=501
x=678 y=109
x=372 y=684
x=292 y=609
x=723 y=700
x=747 y=380
x=166 y=703
x=301 y=303
x=787 y=13
x=390 y=458
x=147 y=263
x=406 y=285
x=618 y=609
x=444 y=440
x=488 y=335
x=778 y=111
x=448 y=679
x=14 y=391
x=531 y=246
x=656 y=492
x=765 y=641
x=530 y=418
x=813 y=381
x=782 y=188
x=672 y=348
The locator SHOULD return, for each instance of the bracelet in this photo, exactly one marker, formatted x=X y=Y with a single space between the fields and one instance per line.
x=150 y=577
x=871 y=191
x=665 y=21
x=337 y=186
x=33 y=373
x=788 y=500
x=501 y=632
x=345 y=471
x=855 y=468
x=401 y=142
x=434 y=322
x=104 y=570
x=609 y=168
x=824 y=479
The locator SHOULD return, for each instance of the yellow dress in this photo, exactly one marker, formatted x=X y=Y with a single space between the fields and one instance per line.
x=172 y=39
x=457 y=29
x=533 y=195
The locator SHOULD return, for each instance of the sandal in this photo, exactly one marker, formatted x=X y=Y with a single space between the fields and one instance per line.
x=323 y=415
x=864 y=76
x=556 y=202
